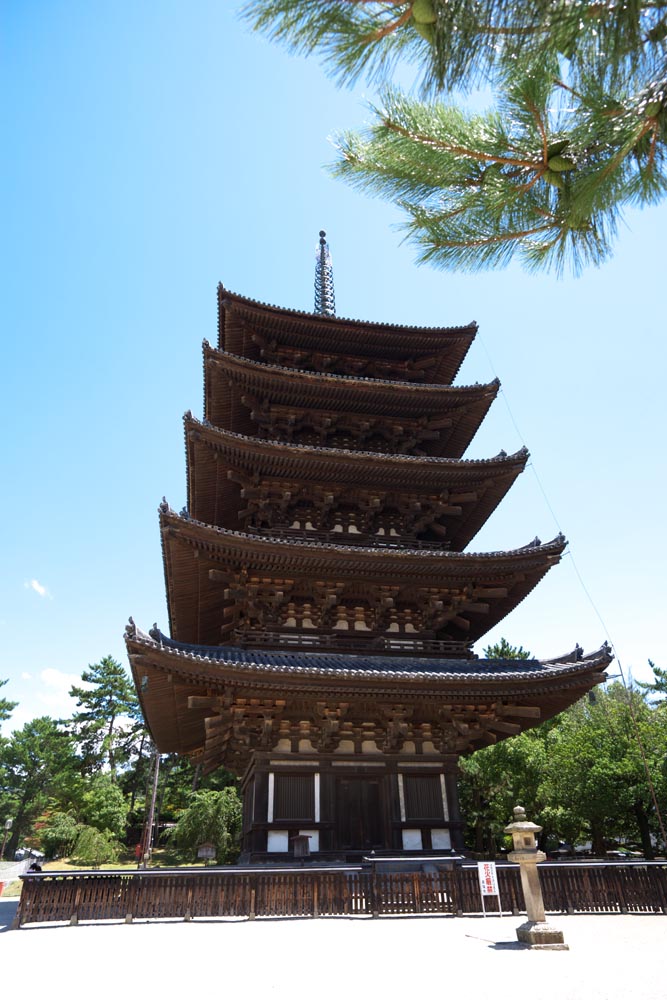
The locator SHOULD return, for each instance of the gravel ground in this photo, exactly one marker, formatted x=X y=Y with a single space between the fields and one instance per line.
x=609 y=957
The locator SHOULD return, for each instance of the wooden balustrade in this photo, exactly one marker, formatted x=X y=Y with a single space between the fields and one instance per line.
x=324 y=640
x=302 y=892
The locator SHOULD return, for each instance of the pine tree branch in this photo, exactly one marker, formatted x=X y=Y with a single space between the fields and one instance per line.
x=471 y=154
x=375 y=36
x=497 y=238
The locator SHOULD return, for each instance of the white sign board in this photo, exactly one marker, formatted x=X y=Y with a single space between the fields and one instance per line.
x=488 y=882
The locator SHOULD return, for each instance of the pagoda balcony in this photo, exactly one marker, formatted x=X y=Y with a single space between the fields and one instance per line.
x=352 y=641
x=351 y=538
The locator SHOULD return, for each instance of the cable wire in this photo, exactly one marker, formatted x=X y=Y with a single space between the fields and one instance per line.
x=627 y=688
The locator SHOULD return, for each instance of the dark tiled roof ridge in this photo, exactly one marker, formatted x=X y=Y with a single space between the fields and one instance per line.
x=425 y=387
x=556 y=544
x=225 y=293
x=435 y=460
x=342 y=665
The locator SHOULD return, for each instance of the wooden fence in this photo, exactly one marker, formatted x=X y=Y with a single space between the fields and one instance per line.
x=303 y=892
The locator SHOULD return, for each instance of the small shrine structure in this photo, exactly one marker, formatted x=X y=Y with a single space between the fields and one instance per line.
x=322 y=600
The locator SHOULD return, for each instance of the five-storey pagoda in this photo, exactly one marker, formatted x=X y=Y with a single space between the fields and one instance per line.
x=322 y=609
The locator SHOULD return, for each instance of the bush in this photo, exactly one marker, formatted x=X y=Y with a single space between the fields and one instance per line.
x=95 y=847
x=211 y=817
x=59 y=834
x=104 y=806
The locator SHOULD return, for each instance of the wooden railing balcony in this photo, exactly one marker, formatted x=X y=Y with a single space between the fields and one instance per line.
x=370 y=541
x=351 y=641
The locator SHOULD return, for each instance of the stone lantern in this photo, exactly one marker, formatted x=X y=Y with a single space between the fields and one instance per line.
x=536 y=932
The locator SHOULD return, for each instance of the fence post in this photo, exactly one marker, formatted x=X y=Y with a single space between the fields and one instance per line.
x=253 y=898
x=374 y=894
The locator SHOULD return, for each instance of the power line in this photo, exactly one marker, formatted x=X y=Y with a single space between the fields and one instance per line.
x=569 y=554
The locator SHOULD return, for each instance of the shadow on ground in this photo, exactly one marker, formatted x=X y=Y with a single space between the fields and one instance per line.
x=8 y=909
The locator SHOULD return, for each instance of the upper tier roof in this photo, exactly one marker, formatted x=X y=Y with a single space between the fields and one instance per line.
x=474 y=487
x=455 y=411
x=197 y=556
x=239 y=318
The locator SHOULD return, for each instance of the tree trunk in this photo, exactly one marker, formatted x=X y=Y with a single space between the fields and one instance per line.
x=597 y=840
x=135 y=781
x=112 y=762
x=644 y=830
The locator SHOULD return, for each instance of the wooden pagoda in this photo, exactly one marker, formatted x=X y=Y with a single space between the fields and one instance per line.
x=322 y=608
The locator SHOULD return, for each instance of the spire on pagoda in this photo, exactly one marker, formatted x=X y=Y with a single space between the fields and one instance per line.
x=325 y=302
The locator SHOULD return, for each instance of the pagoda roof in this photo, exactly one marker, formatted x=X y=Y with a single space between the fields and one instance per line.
x=190 y=546
x=465 y=405
x=169 y=677
x=351 y=337
x=211 y=451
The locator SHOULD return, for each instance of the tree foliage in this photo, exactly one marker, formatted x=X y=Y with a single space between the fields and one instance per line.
x=503 y=650
x=58 y=834
x=6 y=706
x=108 y=722
x=659 y=684
x=38 y=766
x=211 y=817
x=578 y=130
x=94 y=847
x=104 y=806
x=583 y=774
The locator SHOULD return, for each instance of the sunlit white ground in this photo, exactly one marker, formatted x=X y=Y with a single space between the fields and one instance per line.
x=348 y=959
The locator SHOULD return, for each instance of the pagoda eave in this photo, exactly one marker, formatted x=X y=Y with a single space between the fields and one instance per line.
x=241 y=319
x=463 y=595
x=287 y=384
x=220 y=463
x=182 y=686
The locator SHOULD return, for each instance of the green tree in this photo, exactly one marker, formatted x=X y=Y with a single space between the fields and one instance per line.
x=95 y=847
x=597 y=764
x=58 y=834
x=493 y=780
x=104 y=807
x=211 y=817
x=659 y=683
x=108 y=723
x=578 y=129
x=38 y=766
x=6 y=706
x=503 y=650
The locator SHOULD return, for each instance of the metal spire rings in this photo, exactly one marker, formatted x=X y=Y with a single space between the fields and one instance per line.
x=325 y=301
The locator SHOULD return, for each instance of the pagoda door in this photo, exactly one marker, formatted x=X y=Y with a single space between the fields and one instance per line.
x=358 y=814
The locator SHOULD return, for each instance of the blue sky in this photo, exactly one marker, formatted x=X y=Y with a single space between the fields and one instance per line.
x=160 y=147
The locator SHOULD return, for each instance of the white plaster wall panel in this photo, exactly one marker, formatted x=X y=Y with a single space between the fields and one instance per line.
x=440 y=840
x=412 y=840
x=277 y=841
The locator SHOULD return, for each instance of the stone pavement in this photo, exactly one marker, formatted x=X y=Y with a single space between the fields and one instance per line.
x=610 y=958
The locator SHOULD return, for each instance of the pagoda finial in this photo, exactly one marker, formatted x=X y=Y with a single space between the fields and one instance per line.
x=325 y=302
